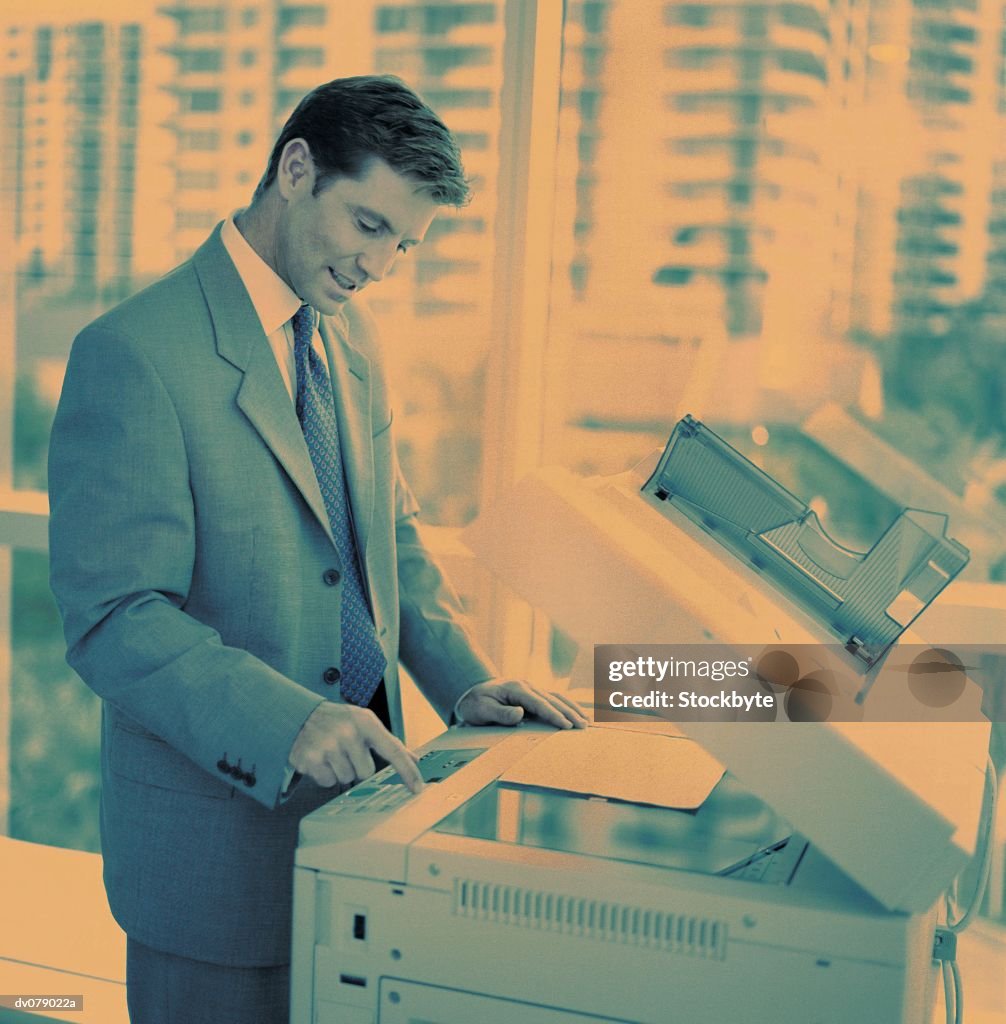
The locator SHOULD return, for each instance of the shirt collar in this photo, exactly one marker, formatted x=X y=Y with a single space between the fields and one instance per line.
x=274 y=301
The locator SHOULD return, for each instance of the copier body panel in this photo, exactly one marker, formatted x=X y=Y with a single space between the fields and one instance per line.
x=481 y=901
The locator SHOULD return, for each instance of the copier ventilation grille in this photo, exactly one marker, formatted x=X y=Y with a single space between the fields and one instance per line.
x=591 y=919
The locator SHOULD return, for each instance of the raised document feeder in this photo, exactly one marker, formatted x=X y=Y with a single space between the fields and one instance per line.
x=865 y=600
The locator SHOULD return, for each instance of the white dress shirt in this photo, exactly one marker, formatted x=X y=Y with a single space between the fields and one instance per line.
x=274 y=300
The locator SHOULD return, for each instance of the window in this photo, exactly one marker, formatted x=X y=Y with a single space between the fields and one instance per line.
x=699 y=57
x=690 y=15
x=438 y=19
x=472 y=141
x=300 y=57
x=307 y=15
x=593 y=60
x=200 y=60
x=198 y=141
x=193 y=220
x=942 y=32
x=432 y=18
x=287 y=99
x=804 y=16
x=446 y=224
x=593 y=13
x=198 y=179
x=199 y=101
x=192 y=20
x=942 y=62
x=445 y=99
x=802 y=62
x=43 y=53
x=393 y=19
x=431 y=270
x=589 y=102
x=441 y=61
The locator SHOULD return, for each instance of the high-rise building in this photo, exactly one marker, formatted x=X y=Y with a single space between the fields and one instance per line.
x=71 y=114
x=699 y=140
x=930 y=136
x=451 y=53
x=222 y=83
x=703 y=124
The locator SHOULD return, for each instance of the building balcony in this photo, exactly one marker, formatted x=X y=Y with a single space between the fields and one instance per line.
x=192 y=20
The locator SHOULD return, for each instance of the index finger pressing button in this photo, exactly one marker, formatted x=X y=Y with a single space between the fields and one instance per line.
x=408 y=770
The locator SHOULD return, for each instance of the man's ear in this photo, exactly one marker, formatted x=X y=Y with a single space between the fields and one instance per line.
x=296 y=169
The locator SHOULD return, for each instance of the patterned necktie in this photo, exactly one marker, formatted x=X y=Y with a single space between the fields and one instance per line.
x=363 y=661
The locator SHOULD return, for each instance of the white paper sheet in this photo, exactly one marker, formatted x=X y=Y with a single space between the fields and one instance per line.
x=621 y=764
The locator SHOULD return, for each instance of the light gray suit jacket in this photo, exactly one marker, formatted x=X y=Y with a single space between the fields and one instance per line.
x=189 y=553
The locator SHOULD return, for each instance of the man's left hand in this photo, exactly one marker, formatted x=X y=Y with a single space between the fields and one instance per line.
x=507 y=701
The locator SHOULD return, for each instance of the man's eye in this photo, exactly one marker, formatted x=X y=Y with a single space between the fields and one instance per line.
x=368 y=229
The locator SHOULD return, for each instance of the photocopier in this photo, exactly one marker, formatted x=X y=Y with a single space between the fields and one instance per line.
x=805 y=888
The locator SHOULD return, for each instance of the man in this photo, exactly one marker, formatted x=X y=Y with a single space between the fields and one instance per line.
x=236 y=555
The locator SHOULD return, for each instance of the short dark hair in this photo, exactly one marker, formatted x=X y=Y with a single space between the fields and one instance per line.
x=348 y=121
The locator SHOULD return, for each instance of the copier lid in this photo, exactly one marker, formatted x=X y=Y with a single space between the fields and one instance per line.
x=895 y=805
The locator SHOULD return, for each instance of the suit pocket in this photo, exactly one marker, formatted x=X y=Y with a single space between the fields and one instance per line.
x=152 y=762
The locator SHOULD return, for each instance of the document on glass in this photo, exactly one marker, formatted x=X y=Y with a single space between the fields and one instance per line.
x=629 y=765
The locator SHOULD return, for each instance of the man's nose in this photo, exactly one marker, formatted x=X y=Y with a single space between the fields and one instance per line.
x=376 y=260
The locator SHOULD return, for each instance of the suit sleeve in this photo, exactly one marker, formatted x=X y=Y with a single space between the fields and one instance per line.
x=122 y=550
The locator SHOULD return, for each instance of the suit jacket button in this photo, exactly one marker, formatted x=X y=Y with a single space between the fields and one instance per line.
x=224 y=766
x=331 y=577
x=250 y=779
x=331 y=676
x=236 y=772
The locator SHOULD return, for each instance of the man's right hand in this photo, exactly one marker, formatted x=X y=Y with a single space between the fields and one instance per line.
x=334 y=748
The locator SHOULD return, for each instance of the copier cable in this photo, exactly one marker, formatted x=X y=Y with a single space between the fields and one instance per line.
x=945 y=945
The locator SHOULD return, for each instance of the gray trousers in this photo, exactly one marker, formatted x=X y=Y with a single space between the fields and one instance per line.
x=165 y=989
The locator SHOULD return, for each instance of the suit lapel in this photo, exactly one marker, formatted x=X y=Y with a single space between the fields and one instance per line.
x=350 y=372
x=262 y=396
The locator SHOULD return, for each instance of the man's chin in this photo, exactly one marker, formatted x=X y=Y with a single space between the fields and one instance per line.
x=328 y=304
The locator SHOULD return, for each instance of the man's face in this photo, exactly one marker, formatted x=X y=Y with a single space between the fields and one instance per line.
x=330 y=246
